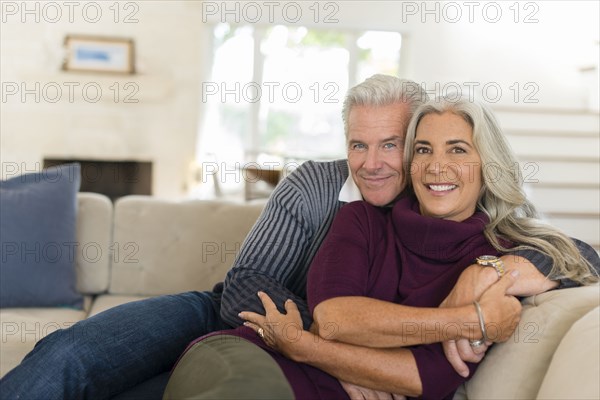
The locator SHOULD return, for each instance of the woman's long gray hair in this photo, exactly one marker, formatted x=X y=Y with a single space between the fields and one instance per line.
x=512 y=216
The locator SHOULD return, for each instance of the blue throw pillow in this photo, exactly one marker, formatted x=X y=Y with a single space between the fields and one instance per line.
x=38 y=214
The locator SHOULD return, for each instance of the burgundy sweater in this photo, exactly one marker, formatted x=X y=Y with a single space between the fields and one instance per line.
x=401 y=257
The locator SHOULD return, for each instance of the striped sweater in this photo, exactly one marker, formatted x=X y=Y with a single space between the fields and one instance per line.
x=279 y=249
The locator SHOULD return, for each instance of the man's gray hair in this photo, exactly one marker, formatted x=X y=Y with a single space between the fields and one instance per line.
x=383 y=90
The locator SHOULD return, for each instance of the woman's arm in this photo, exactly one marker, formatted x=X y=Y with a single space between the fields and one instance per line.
x=533 y=280
x=375 y=323
x=386 y=370
x=340 y=278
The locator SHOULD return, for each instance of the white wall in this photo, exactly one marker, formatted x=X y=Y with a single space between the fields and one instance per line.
x=172 y=50
x=160 y=127
x=464 y=41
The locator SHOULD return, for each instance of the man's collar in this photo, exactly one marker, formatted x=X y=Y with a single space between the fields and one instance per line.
x=349 y=191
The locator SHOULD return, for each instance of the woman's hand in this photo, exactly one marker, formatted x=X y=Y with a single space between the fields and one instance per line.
x=458 y=352
x=282 y=332
x=471 y=284
x=502 y=312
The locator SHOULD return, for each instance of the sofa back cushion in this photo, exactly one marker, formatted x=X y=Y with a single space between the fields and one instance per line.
x=94 y=229
x=162 y=247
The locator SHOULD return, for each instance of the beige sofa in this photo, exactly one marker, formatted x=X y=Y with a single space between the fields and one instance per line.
x=139 y=247
x=143 y=247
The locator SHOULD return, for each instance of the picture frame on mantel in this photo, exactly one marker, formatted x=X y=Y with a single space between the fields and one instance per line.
x=99 y=54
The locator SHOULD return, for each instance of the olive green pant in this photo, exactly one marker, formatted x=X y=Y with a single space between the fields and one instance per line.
x=227 y=367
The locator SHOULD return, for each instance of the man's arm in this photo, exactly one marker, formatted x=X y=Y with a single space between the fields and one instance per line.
x=544 y=263
x=268 y=257
x=276 y=253
x=534 y=268
x=475 y=279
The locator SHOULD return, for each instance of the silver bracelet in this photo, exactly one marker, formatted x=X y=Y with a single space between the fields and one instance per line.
x=481 y=321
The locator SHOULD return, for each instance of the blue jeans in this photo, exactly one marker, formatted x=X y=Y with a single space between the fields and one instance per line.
x=115 y=350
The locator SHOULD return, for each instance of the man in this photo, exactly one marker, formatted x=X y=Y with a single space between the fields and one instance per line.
x=113 y=351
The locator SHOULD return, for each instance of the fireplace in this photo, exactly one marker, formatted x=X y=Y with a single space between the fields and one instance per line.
x=112 y=178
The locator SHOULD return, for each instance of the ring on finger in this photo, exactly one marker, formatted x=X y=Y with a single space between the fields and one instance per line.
x=261 y=333
x=476 y=343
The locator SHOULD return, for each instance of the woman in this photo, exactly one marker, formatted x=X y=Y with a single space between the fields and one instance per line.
x=375 y=262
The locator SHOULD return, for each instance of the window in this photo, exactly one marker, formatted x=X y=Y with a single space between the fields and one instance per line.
x=277 y=91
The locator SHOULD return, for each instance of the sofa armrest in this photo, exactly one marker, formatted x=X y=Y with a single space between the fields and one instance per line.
x=516 y=368
x=575 y=367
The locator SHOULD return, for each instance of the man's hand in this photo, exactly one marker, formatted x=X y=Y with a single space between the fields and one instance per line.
x=531 y=280
x=281 y=332
x=356 y=392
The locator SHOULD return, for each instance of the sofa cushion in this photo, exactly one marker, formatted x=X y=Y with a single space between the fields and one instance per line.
x=106 y=301
x=515 y=369
x=37 y=234
x=94 y=230
x=22 y=328
x=575 y=367
x=162 y=247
